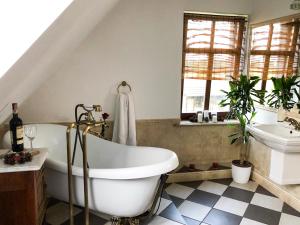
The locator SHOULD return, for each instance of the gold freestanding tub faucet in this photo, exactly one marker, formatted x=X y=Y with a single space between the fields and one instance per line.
x=87 y=123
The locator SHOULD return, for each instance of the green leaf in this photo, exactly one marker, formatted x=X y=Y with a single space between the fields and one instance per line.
x=234 y=140
x=233 y=135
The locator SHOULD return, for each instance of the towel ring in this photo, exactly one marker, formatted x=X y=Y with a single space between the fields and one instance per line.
x=123 y=84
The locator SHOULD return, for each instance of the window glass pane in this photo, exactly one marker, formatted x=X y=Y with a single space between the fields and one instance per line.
x=278 y=66
x=225 y=34
x=193 y=95
x=223 y=66
x=257 y=63
x=216 y=95
x=269 y=87
x=198 y=34
x=282 y=37
x=258 y=85
x=196 y=66
x=260 y=36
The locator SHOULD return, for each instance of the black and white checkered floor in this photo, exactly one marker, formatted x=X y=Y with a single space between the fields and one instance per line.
x=215 y=202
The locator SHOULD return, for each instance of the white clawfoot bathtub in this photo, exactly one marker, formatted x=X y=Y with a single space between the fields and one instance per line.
x=123 y=179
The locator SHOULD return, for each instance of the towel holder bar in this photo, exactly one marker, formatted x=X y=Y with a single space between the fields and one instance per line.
x=123 y=84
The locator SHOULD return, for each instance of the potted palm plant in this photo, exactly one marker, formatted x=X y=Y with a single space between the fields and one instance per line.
x=283 y=93
x=241 y=98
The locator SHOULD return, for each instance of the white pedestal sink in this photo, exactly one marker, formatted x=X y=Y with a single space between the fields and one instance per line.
x=284 y=143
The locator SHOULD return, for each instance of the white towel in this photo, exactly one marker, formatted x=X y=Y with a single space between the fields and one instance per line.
x=124 y=124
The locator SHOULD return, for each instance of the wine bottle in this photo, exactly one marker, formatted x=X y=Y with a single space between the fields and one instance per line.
x=16 y=130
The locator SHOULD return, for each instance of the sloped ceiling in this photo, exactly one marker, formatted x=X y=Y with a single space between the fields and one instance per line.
x=264 y=10
x=46 y=55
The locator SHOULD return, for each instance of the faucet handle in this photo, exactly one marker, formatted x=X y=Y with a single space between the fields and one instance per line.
x=97 y=108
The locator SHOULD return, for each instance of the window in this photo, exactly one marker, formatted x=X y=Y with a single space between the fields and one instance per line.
x=212 y=54
x=274 y=51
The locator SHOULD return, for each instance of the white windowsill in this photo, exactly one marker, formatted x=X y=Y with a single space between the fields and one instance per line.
x=225 y=122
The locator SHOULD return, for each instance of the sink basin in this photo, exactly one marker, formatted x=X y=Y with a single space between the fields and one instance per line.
x=284 y=144
x=279 y=136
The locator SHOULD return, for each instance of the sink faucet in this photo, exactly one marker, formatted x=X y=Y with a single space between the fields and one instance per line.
x=293 y=122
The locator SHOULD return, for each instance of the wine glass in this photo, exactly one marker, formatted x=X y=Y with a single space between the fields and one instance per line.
x=30 y=132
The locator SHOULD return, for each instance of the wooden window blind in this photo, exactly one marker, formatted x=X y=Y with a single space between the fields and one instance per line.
x=213 y=50
x=274 y=50
x=212 y=47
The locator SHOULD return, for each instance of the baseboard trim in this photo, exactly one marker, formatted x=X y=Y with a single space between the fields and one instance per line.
x=277 y=190
x=199 y=175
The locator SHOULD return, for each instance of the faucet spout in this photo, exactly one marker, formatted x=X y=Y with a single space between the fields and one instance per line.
x=293 y=122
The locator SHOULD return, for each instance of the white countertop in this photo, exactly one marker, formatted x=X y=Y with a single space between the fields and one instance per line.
x=36 y=163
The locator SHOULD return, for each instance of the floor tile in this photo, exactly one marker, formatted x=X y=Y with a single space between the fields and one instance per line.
x=231 y=205
x=246 y=221
x=289 y=210
x=176 y=201
x=193 y=210
x=250 y=186
x=164 y=203
x=192 y=184
x=158 y=220
x=80 y=219
x=190 y=221
x=218 y=217
x=239 y=194
x=52 y=201
x=263 y=191
x=204 y=198
x=267 y=202
x=179 y=191
x=262 y=215
x=59 y=213
x=165 y=195
x=101 y=215
x=212 y=187
x=226 y=181
x=287 y=219
x=172 y=213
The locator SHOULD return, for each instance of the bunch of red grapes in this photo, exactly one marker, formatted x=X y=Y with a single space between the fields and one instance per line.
x=20 y=158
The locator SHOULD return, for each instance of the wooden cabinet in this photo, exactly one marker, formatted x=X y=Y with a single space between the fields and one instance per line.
x=22 y=198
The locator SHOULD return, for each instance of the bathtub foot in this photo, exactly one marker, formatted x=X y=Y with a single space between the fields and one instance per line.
x=133 y=221
x=124 y=221
x=115 y=221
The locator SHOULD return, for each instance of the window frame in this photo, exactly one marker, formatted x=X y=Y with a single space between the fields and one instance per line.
x=268 y=53
x=212 y=51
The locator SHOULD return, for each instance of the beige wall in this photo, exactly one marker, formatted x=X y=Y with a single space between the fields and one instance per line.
x=200 y=145
x=139 y=41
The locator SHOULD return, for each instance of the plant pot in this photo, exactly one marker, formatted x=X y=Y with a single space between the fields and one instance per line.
x=241 y=172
